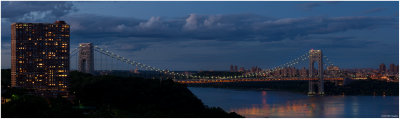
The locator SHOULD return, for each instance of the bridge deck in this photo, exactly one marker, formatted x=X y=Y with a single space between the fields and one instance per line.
x=244 y=80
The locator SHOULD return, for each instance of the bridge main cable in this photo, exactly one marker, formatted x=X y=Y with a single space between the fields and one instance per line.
x=248 y=75
x=135 y=63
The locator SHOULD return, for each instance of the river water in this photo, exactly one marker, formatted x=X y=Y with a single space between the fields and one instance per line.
x=277 y=104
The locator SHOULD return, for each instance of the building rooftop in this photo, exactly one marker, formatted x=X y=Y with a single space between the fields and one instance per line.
x=56 y=22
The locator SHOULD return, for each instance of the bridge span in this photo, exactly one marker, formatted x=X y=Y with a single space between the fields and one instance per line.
x=195 y=81
x=316 y=76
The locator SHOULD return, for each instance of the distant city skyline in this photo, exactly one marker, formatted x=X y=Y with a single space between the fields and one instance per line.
x=215 y=35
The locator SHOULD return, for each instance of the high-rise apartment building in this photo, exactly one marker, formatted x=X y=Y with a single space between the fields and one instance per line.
x=40 y=57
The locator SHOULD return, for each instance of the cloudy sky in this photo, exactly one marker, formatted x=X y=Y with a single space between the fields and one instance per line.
x=214 y=35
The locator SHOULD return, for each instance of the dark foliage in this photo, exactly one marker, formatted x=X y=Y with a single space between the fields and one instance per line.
x=111 y=96
x=365 y=87
x=357 y=87
x=5 y=78
x=138 y=97
x=28 y=106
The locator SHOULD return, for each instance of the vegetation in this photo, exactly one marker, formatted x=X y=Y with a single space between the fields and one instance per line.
x=357 y=87
x=5 y=78
x=29 y=106
x=112 y=96
x=365 y=87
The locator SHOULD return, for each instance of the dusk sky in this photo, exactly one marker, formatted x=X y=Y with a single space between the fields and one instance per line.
x=214 y=35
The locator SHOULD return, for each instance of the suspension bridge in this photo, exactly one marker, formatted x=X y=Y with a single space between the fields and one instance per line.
x=93 y=59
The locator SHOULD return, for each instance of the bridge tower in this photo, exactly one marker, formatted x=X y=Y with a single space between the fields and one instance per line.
x=86 y=58
x=316 y=56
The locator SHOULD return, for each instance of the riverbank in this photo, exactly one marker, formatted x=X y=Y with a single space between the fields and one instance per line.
x=357 y=87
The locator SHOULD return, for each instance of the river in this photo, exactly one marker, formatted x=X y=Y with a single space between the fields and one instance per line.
x=281 y=104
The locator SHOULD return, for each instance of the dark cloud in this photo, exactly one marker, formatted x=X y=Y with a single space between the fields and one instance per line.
x=242 y=27
x=374 y=10
x=328 y=42
x=35 y=10
x=309 y=6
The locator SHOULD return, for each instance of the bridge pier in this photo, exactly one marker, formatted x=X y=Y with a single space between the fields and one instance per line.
x=86 y=58
x=316 y=56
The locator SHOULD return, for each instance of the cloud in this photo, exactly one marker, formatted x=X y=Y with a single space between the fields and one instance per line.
x=5 y=54
x=220 y=27
x=309 y=6
x=233 y=27
x=374 y=10
x=32 y=11
x=212 y=20
x=35 y=11
x=191 y=22
x=153 y=22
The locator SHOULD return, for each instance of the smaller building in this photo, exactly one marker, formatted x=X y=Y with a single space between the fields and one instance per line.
x=382 y=68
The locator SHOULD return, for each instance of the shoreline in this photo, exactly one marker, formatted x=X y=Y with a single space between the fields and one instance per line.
x=267 y=89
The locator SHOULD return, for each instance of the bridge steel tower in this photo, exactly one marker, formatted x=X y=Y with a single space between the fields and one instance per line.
x=316 y=56
x=86 y=58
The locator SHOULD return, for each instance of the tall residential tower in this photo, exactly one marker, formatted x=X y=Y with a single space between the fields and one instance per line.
x=40 y=56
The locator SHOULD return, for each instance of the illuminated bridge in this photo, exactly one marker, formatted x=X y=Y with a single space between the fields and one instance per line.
x=89 y=57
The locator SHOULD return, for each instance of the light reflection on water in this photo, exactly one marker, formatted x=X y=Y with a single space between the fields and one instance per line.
x=285 y=104
x=297 y=108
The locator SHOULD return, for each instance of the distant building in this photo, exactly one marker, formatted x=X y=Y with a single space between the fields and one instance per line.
x=255 y=69
x=40 y=57
x=332 y=71
x=236 y=68
x=303 y=72
x=392 y=68
x=382 y=68
x=242 y=69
